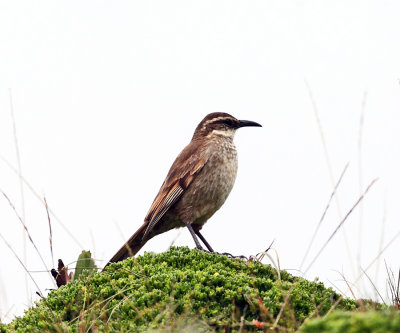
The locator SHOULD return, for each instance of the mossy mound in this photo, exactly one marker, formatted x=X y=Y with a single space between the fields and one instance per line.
x=177 y=289
x=355 y=322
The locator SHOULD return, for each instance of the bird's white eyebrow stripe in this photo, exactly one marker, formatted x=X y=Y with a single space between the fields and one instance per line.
x=214 y=120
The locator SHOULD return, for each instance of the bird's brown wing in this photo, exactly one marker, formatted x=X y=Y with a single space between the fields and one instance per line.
x=179 y=178
x=182 y=173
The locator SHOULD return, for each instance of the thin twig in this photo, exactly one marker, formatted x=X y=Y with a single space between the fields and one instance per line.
x=262 y=254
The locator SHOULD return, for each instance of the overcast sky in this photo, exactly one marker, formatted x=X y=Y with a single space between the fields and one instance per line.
x=106 y=94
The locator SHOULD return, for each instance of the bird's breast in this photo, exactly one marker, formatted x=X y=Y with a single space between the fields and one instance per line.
x=213 y=184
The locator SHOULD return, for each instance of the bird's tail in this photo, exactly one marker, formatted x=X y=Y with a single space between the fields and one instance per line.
x=131 y=247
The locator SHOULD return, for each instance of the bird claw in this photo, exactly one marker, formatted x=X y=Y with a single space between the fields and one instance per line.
x=229 y=255
x=232 y=256
x=200 y=248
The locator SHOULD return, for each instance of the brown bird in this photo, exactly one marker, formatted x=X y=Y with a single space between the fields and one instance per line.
x=196 y=186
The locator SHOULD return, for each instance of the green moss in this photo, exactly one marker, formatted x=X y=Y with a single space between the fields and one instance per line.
x=3 y=328
x=180 y=288
x=355 y=322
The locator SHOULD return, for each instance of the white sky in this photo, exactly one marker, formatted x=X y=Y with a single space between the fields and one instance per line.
x=107 y=93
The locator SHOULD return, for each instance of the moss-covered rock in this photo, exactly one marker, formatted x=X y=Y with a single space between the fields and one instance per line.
x=355 y=322
x=177 y=289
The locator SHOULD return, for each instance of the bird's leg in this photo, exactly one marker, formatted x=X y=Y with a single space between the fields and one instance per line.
x=195 y=232
x=189 y=226
x=204 y=240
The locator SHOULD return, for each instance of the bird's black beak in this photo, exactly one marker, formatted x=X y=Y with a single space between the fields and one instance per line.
x=245 y=123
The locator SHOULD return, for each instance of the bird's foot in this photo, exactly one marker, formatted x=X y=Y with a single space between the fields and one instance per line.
x=232 y=256
x=223 y=254
x=199 y=247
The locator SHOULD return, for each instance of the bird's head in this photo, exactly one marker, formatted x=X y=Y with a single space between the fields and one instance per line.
x=220 y=124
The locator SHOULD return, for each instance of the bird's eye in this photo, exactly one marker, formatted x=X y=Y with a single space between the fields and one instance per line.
x=223 y=126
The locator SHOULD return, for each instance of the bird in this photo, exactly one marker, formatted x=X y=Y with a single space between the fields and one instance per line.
x=197 y=184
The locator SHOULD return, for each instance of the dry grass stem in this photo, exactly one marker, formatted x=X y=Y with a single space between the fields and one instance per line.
x=348 y=285
x=340 y=224
x=394 y=287
x=30 y=187
x=330 y=169
x=323 y=215
x=21 y=184
x=22 y=264
x=360 y=178
x=373 y=285
x=378 y=255
x=283 y=305
x=382 y=238
x=25 y=228
x=50 y=231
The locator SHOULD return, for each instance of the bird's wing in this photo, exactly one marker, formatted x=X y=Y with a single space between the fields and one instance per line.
x=179 y=178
